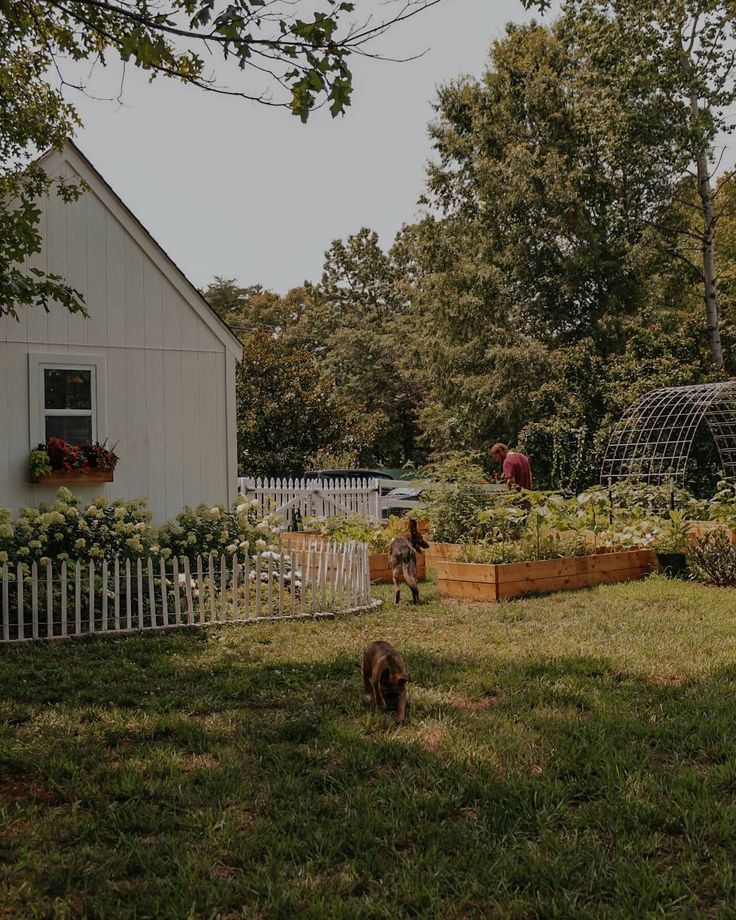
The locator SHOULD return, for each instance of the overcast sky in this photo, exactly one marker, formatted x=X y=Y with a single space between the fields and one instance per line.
x=231 y=188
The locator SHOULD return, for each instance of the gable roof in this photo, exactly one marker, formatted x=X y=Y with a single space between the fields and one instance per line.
x=163 y=261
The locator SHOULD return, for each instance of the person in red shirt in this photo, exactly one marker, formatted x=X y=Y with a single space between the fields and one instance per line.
x=516 y=469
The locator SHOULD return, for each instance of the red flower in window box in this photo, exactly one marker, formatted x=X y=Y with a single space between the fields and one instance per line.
x=72 y=462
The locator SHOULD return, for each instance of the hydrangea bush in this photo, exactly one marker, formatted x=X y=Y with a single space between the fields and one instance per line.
x=63 y=531
x=216 y=529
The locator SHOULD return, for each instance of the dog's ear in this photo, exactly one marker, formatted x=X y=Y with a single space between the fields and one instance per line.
x=412 y=525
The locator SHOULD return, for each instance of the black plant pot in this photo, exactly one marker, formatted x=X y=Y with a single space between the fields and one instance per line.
x=673 y=565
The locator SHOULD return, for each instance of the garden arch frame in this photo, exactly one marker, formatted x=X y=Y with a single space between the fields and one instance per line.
x=653 y=438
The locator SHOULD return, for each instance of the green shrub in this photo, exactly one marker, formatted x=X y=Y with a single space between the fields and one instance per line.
x=61 y=530
x=712 y=559
x=215 y=529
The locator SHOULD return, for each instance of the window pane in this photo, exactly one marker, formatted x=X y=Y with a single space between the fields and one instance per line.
x=67 y=388
x=74 y=429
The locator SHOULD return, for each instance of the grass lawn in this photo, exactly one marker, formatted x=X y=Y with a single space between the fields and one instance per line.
x=571 y=755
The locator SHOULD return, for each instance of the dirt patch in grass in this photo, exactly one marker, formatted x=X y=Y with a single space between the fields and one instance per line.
x=474 y=705
x=200 y=762
x=431 y=737
x=19 y=789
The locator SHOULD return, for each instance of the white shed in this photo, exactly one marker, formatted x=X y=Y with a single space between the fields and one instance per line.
x=157 y=361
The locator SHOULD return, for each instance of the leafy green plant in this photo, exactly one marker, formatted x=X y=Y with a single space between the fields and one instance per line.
x=39 y=463
x=530 y=548
x=722 y=507
x=674 y=534
x=361 y=529
x=712 y=559
x=454 y=497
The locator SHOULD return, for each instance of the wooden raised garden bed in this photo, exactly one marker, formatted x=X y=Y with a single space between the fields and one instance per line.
x=302 y=539
x=696 y=530
x=439 y=552
x=380 y=571
x=471 y=580
x=62 y=477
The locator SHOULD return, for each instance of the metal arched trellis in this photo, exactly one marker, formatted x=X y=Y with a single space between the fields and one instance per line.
x=652 y=440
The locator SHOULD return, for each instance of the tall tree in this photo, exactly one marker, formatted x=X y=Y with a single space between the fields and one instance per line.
x=665 y=69
x=523 y=171
x=289 y=411
x=529 y=244
x=366 y=330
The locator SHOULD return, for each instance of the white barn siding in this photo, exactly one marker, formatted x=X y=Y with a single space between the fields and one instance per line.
x=169 y=375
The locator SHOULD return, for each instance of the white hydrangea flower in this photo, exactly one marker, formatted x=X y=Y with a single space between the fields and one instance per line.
x=261 y=545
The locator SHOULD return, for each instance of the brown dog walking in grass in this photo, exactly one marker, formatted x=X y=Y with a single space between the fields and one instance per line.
x=385 y=677
x=402 y=557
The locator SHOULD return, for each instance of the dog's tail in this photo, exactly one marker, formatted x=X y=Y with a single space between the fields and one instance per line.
x=409 y=570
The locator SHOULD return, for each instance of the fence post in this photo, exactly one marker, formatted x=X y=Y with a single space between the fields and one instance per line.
x=34 y=600
x=49 y=600
x=91 y=597
x=6 y=604
x=151 y=593
x=103 y=612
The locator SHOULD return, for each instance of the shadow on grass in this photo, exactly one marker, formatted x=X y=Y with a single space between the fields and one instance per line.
x=172 y=777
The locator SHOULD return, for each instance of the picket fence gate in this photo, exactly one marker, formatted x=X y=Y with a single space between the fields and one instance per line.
x=62 y=600
x=314 y=497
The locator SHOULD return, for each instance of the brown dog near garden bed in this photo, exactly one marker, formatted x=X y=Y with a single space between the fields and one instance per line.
x=402 y=558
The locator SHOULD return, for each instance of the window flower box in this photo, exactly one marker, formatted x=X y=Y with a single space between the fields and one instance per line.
x=475 y=581
x=57 y=463
x=63 y=477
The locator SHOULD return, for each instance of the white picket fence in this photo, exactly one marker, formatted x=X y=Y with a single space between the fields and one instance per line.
x=60 y=600
x=325 y=498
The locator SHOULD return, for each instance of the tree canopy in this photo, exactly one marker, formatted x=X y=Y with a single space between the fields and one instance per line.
x=275 y=52
x=557 y=271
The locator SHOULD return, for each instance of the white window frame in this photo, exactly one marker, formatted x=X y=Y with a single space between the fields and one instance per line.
x=38 y=362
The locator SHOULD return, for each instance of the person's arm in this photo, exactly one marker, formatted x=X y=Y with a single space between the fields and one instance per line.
x=508 y=473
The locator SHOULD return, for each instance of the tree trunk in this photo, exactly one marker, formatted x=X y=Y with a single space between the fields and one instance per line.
x=709 y=218
x=709 y=250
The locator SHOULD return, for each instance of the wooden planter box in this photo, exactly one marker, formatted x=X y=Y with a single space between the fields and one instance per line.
x=305 y=540
x=698 y=529
x=439 y=552
x=381 y=571
x=302 y=539
x=63 y=477
x=494 y=582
